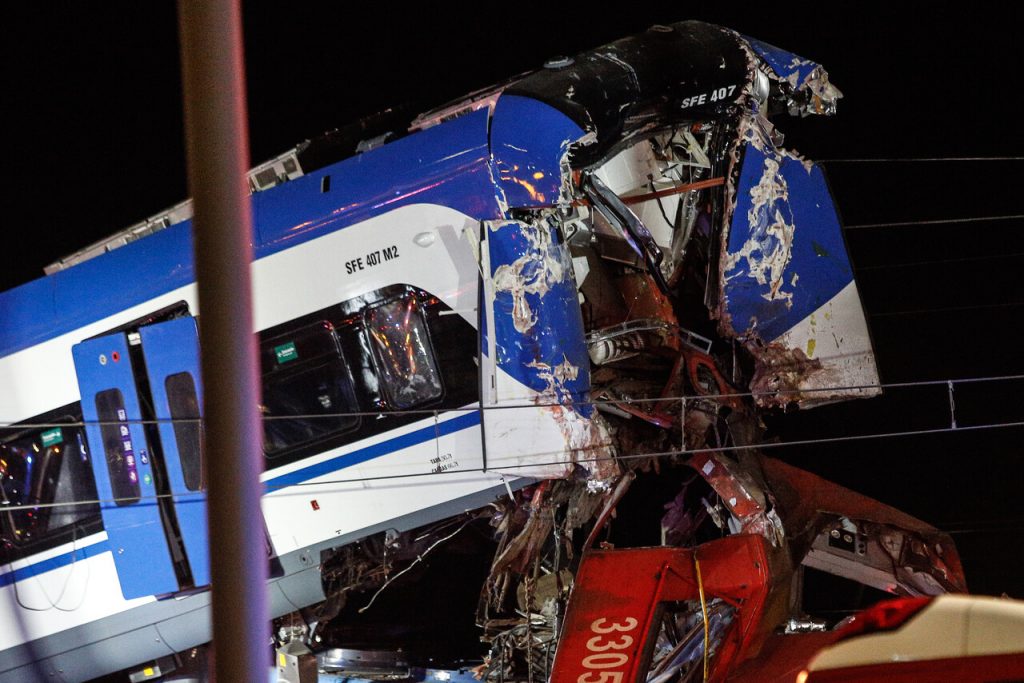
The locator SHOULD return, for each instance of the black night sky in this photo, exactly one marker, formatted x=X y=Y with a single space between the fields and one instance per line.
x=92 y=137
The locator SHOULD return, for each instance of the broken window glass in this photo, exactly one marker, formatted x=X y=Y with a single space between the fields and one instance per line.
x=39 y=471
x=405 y=361
x=307 y=389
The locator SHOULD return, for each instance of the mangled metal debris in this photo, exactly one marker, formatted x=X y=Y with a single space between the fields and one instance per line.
x=666 y=272
x=788 y=292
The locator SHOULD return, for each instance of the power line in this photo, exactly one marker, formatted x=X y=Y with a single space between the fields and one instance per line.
x=935 y=262
x=947 y=309
x=935 y=221
x=982 y=526
x=685 y=451
x=505 y=469
x=438 y=412
x=906 y=160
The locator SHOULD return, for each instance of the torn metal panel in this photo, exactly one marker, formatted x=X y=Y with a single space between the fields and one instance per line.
x=788 y=289
x=748 y=505
x=541 y=383
x=666 y=74
x=656 y=184
x=848 y=534
x=536 y=312
x=648 y=177
x=876 y=555
x=790 y=67
x=808 y=83
x=628 y=226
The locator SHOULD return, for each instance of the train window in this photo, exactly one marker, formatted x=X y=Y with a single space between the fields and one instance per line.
x=307 y=389
x=46 y=475
x=184 y=405
x=402 y=353
x=118 y=447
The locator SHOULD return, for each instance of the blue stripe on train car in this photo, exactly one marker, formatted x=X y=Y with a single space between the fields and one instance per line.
x=414 y=438
x=67 y=559
x=466 y=421
x=446 y=165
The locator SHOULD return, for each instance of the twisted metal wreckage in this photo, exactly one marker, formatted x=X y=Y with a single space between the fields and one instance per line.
x=505 y=344
x=709 y=266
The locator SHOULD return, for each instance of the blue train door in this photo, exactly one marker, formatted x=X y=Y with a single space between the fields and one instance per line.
x=141 y=400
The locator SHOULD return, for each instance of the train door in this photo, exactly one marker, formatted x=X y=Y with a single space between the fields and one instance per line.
x=141 y=398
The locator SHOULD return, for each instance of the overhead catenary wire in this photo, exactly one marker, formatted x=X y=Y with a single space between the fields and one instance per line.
x=909 y=160
x=982 y=527
x=947 y=309
x=496 y=469
x=437 y=412
x=934 y=221
x=939 y=262
x=923 y=222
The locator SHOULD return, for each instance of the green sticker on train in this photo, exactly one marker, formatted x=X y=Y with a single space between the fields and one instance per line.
x=286 y=352
x=52 y=437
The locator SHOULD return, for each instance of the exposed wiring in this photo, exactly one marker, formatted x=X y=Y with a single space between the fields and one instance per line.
x=55 y=603
x=661 y=207
x=419 y=558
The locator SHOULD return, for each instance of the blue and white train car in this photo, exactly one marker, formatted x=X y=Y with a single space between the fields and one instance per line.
x=431 y=298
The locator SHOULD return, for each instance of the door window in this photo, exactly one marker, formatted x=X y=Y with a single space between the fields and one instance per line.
x=120 y=452
x=185 y=419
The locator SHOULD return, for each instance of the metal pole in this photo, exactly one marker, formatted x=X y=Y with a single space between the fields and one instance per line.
x=218 y=159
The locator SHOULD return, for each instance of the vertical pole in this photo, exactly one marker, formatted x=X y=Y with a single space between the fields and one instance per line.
x=218 y=159
x=952 y=406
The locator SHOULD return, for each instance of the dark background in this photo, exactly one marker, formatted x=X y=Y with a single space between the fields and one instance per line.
x=92 y=140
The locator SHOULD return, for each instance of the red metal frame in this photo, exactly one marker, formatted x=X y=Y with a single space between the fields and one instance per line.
x=612 y=613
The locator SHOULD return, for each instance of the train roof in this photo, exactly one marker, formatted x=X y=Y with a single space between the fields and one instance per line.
x=577 y=108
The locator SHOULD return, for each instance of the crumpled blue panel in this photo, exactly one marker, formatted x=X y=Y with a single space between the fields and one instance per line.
x=785 y=255
x=528 y=141
x=785 y=64
x=538 y=332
